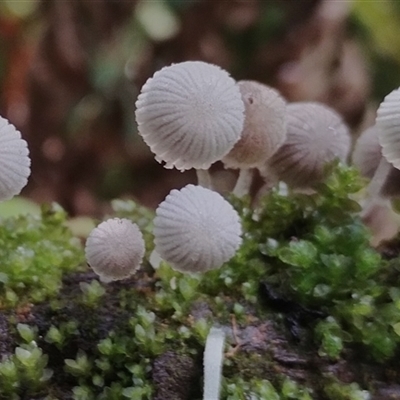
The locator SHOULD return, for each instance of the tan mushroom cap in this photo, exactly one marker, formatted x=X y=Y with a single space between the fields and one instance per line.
x=367 y=152
x=190 y=114
x=264 y=126
x=316 y=135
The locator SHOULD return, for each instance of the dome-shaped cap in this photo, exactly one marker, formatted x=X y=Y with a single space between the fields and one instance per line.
x=14 y=161
x=190 y=114
x=316 y=135
x=196 y=229
x=388 y=122
x=115 y=249
x=367 y=152
x=264 y=128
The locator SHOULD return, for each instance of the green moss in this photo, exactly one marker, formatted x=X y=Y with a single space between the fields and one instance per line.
x=35 y=251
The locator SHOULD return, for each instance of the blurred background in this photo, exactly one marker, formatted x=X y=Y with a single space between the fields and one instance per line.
x=70 y=72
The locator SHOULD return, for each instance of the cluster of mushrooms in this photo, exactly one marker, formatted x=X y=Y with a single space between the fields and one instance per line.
x=191 y=115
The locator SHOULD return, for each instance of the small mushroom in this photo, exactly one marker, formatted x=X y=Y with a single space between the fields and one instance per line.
x=388 y=121
x=14 y=161
x=367 y=156
x=190 y=115
x=388 y=132
x=115 y=249
x=384 y=183
x=367 y=152
x=196 y=229
x=316 y=135
x=263 y=133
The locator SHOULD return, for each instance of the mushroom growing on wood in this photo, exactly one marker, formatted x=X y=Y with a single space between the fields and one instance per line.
x=196 y=229
x=263 y=133
x=14 y=161
x=115 y=249
x=316 y=135
x=190 y=115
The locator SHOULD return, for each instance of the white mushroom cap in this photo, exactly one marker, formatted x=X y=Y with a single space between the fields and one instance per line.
x=316 y=135
x=190 y=114
x=367 y=152
x=388 y=122
x=196 y=229
x=115 y=249
x=264 y=126
x=14 y=161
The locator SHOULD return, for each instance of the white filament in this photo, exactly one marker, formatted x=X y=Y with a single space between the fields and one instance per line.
x=213 y=360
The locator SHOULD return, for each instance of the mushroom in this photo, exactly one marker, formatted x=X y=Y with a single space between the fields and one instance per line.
x=367 y=152
x=316 y=135
x=14 y=161
x=263 y=133
x=190 y=115
x=388 y=133
x=115 y=249
x=196 y=229
x=384 y=183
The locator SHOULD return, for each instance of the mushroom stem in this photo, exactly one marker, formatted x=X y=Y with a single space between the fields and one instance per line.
x=213 y=360
x=243 y=182
x=204 y=178
x=271 y=180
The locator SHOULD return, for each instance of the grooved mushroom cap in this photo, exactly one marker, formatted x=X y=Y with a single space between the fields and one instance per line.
x=196 y=229
x=115 y=249
x=388 y=121
x=367 y=153
x=190 y=114
x=14 y=161
x=264 y=126
x=316 y=135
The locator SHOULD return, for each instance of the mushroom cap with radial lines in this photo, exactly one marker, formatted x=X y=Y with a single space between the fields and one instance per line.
x=14 y=161
x=388 y=122
x=196 y=229
x=190 y=114
x=316 y=135
x=264 y=128
x=115 y=249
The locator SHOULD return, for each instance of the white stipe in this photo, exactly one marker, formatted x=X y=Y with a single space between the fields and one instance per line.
x=213 y=360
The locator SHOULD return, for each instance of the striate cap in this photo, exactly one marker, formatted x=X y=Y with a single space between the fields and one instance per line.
x=190 y=114
x=316 y=135
x=264 y=126
x=115 y=249
x=388 y=122
x=14 y=161
x=196 y=229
